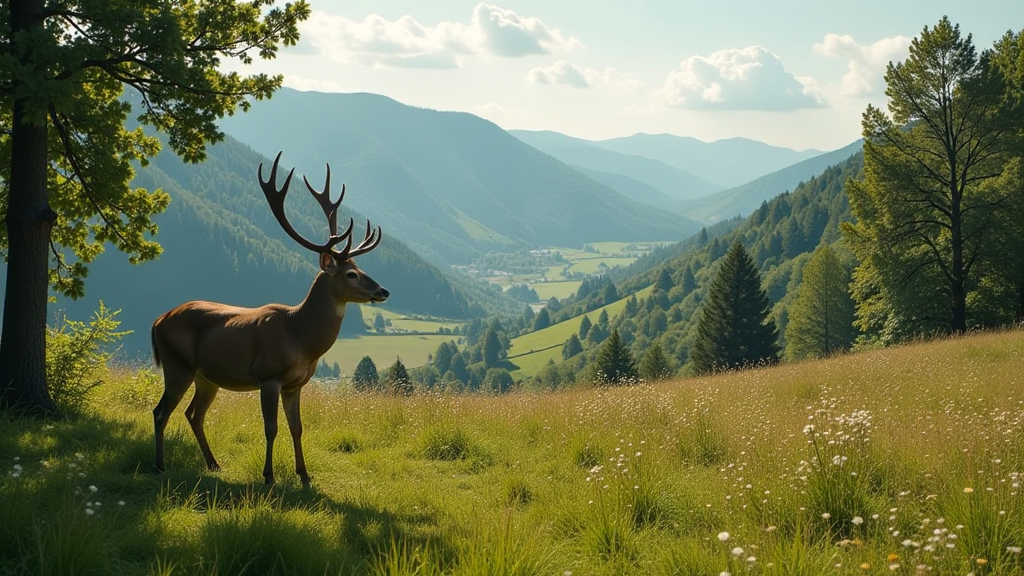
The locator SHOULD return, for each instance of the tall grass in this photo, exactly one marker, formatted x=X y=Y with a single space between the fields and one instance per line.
x=901 y=461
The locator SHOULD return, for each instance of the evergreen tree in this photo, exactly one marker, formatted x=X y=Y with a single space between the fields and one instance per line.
x=664 y=281
x=656 y=365
x=459 y=370
x=928 y=210
x=492 y=349
x=365 y=377
x=585 y=325
x=379 y=324
x=610 y=294
x=602 y=319
x=734 y=330
x=821 y=318
x=542 y=321
x=614 y=364
x=572 y=347
x=397 y=379
x=446 y=351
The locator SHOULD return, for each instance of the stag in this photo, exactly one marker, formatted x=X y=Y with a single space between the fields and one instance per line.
x=273 y=348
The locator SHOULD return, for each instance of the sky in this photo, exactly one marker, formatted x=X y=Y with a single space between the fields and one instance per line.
x=790 y=73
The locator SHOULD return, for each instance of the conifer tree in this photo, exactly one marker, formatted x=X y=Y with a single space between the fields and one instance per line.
x=542 y=321
x=664 y=281
x=572 y=347
x=656 y=365
x=397 y=380
x=585 y=325
x=614 y=364
x=734 y=330
x=821 y=318
x=492 y=349
x=365 y=377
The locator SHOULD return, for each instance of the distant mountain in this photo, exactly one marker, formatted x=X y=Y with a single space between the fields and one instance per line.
x=671 y=182
x=222 y=243
x=728 y=163
x=451 y=184
x=743 y=200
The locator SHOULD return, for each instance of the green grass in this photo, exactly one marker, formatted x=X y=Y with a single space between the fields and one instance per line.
x=860 y=464
x=547 y=343
x=594 y=265
x=413 y=349
x=560 y=290
x=403 y=322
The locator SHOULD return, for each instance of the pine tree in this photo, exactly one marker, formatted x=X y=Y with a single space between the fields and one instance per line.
x=379 y=324
x=572 y=347
x=542 y=321
x=446 y=351
x=656 y=365
x=664 y=281
x=821 y=318
x=614 y=364
x=585 y=325
x=735 y=330
x=492 y=349
x=397 y=380
x=365 y=377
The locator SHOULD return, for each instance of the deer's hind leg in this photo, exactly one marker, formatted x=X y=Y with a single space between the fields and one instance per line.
x=206 y=392
x=176 y=382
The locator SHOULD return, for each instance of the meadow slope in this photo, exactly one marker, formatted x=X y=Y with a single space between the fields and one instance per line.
x=899 y=461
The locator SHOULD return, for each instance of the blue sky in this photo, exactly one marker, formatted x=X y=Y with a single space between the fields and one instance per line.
x=791 y=73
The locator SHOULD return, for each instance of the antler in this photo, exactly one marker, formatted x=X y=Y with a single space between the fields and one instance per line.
x=276 y=197
x=370 y=241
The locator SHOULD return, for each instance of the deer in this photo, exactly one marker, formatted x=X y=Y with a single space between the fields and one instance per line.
x=273 y=348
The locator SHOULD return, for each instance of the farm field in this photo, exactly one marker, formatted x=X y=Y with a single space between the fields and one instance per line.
x=413 y=349
x=901 y=461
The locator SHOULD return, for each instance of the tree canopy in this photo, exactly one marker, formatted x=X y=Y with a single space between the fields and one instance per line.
x=941 y=169
x=66 y=154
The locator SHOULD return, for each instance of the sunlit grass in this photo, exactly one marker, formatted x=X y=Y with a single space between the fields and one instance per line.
x=904 y=461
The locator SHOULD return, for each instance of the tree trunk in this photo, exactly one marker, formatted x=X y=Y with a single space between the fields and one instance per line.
x=29 y=221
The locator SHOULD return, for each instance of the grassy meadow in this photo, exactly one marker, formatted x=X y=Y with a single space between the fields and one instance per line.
x=901 y=461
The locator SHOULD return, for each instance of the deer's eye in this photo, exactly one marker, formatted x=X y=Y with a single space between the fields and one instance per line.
x=352 y=275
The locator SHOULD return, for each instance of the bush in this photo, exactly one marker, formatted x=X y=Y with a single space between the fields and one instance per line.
x=76 y=359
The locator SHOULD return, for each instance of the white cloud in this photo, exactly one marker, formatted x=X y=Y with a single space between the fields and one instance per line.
x=866 y=63
x=406 y=43
x=751 y=78
x=566 y=73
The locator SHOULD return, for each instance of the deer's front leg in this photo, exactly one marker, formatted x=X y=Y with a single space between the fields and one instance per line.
x=269 y=394
x=290 y=399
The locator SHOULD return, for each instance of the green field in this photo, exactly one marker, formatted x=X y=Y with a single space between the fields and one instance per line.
x=594 y=265
x=542 y=341
x=560 y=290
x=404 y=323
x=905 y=461
x=413 y=349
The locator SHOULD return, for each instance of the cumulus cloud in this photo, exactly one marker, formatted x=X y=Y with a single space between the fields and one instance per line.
x=865 y=63
x=406 y=43
x=751 y=78
x=565 y=73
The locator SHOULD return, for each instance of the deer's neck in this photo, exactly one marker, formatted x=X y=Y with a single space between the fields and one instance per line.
x=318 y=317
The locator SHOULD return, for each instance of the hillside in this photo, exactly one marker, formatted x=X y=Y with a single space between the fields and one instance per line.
x=653 y=480
x=222 y=243
x=451 y=185
x=743 y=200
x=728 y=163
x=779 y=235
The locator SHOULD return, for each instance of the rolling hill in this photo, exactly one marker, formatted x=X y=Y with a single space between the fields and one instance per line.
x=452 y=185
x=743 y=200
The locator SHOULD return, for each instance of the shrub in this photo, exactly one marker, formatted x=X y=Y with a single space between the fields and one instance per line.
x=76 y=358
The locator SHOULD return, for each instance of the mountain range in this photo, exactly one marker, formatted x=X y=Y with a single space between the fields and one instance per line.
x=452 y=185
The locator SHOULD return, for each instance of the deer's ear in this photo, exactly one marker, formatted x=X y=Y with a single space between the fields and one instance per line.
x=329 y=264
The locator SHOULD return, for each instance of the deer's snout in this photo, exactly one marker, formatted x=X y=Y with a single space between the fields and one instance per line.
x=381 y=295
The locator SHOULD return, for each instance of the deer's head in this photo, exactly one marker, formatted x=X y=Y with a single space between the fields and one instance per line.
x=348 y=282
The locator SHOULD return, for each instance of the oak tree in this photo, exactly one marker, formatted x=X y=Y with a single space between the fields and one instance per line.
x=71 y=73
